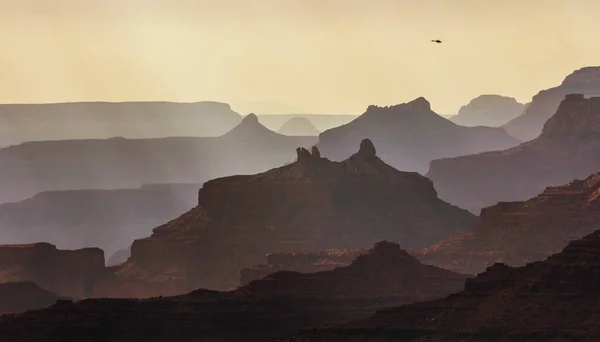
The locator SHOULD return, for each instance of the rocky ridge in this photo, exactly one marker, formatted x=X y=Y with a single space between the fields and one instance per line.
x=311 y=204
x=488 y=110
x=566 y=150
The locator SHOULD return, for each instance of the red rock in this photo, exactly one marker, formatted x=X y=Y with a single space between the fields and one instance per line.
x=529 y=125
x=551 y=300
x=517 y=233
x=63 y=272
x=311 y=204
x=567 y=149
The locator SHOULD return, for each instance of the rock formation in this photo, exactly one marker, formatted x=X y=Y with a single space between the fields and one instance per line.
x=101 y=120
x=25 y=296
x=108 y=219
x=63 y=272
x=35 y=167
x=567 y=149
x=307 y=262
x=488 y=110
x=265 y=310
x=408 y=136
x=551 y=300
x=311 y=204
x=529 y=125
x=119 y=257
x=322 y=122
x=298 y=126
x=517 y=233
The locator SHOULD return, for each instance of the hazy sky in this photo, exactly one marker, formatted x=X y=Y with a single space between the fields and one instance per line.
x=328 y=56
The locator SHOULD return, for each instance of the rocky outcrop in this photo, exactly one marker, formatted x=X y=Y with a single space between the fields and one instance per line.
x=307 y=262
x=566 y=150
x=102 y=120
x=551 y=300
x=517 y=233
x=311 y=204
x=488 y=110
x=35 y=167
x=24 y=296
x=409 y=135
x=529 y=125
x=265 y=310
x=108 y=219
x=298 y=126
x=63 y=272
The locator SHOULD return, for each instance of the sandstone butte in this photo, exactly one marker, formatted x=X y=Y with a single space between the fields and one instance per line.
x=311 y=204
x=551 y=300
x=410 y=135
x=303 y=262
x=529 y=125
x=266 y=310
x=567 y=149
x=63 y=272
x=517 y=233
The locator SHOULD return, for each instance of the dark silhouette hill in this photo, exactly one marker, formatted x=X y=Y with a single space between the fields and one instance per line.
x=35 y=167
x=529 y=125
x=298 y=126
x=517 y=233
x=108 y=219
x=101 y=120
x=309 y=205
x=551 y=300
x=266 y=310
x=409 y=135
x=488 y=110
x=24 y=296
x=567 y=149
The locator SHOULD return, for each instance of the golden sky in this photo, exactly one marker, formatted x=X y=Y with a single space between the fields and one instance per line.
x=322 y=56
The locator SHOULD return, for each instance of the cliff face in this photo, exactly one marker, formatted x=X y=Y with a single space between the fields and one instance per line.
x=101 y=120
x=108 y=219
x=551 y=300
x=488 y=110
x=566 y=150
x=24 y=296
x=307 y=262
x=517 y=233
x=65 y=273
x=408 y=136
x=266 y=310
x=311 y=204
x=529 y=125
x=119 y=163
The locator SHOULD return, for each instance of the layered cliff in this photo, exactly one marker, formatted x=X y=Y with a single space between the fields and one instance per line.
x=567 y=149
x=517 y=233
x=551 y=300
x=409 y=135
x=529 y=125
x=265 y=310
x=70 y=273
x=119 y=163
x=311 y=204
x=488 y=110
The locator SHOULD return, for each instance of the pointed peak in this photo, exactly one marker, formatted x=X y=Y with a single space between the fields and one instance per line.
x=315 y=152
x=250 y=118
x=367 y=148
x=303 y=154
x=419 y=103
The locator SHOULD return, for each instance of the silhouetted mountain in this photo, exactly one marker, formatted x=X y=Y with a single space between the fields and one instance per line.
x=24 y=296
x=266 y=310
x=298 y=126
x=322 y=122
x=567 y=149
x=109 y=219
x=529 y=125
x=35 y=167
x=488 y=110
x=311 y=204
x=551 y=300
x=100 y=120
x=410 y=135
x=520 y=232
